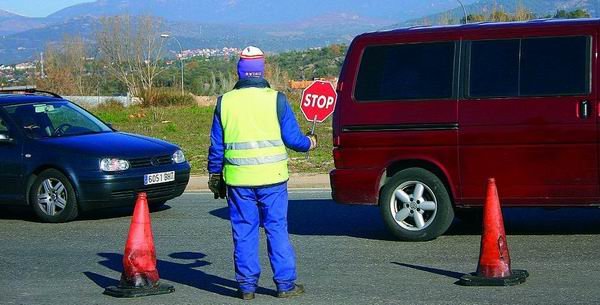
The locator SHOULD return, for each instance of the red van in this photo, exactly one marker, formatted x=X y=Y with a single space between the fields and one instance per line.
x=427 y=114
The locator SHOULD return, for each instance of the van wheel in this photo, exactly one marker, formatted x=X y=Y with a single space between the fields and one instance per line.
x=415 y=205
x=52 y=197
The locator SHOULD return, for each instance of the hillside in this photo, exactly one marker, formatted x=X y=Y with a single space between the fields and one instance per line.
x=540 y=8
x=257 y=11
x=11 y=23
x=274 y=25
x=316 y=32
x=7 y=14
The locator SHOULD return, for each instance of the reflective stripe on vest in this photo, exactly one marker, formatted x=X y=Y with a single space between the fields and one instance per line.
x=255 y=154
x=252 y=145
x=256 y=160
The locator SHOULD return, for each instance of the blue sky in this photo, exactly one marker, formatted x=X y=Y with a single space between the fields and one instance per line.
x=37 y=8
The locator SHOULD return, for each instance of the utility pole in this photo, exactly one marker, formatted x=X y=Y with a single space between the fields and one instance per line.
x=42 y=75
x=167 y=36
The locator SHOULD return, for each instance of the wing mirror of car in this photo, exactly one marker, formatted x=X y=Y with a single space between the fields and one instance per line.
x=5 y=138
x=110 y=125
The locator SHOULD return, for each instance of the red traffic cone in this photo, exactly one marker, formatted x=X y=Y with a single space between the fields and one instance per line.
x=494 y=260
x=139 y=277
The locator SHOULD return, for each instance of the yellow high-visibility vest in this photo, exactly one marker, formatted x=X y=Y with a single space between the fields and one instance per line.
x=254 y=151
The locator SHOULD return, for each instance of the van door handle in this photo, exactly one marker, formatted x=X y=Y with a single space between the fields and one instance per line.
x=584 y=109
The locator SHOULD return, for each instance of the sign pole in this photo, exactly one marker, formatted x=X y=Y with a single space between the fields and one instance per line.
x=312 y=132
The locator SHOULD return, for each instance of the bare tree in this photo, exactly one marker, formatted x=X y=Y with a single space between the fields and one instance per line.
x=65 y=68
x=132 y=50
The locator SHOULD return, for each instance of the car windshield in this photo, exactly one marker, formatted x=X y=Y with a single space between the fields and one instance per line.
x=55 y=119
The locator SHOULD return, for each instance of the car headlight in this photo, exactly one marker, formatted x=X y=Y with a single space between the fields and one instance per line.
x=113 y=165
x=178 y=157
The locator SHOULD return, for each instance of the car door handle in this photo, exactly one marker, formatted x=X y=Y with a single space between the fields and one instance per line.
x=584 y=109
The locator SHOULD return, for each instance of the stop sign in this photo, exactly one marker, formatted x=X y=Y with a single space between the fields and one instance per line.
x=318 y=101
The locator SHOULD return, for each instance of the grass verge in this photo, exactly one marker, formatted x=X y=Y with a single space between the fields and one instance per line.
x=189 y=127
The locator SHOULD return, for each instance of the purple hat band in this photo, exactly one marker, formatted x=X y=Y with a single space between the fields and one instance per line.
x=251 y=67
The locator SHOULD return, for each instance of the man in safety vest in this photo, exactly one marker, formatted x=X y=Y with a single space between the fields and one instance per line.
x=252 y=126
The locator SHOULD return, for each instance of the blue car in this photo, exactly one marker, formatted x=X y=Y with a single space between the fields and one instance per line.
x=61 y=160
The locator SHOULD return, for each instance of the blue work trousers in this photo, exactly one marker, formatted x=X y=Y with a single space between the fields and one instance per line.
x=249 y=208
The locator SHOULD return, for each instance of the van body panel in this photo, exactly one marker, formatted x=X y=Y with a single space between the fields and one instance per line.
x=374 y=135
x=540 y=149
x=355 y=185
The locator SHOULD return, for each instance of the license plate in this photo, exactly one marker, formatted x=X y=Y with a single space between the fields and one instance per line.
x=159 y=178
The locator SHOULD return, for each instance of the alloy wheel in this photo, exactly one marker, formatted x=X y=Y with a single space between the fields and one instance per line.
x=52 y=197
x=414 y=205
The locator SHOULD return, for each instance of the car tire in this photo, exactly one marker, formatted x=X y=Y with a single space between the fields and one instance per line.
x=416 y=219
x=53 y=198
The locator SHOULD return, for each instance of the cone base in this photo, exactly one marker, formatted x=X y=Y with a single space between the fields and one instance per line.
x=134 y=292
x=517 y=277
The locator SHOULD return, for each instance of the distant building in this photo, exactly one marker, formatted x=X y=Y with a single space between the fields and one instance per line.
x=25 y=66
x=224 y=52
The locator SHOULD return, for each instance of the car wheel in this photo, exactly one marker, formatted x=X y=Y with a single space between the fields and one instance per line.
x=52 y=197
x=415 y=205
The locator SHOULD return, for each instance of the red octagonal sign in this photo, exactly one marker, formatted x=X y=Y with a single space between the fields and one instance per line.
x=318 y=101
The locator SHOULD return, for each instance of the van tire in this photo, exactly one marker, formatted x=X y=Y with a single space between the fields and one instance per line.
x=400 y=212
x=59 y=192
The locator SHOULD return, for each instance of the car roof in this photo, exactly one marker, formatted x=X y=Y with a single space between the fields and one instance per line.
x=488 y=25
x=10 y=99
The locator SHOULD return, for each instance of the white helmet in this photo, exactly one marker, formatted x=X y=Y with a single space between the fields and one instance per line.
x=251 y=52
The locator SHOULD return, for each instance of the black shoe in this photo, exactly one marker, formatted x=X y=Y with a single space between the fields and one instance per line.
x=246 y=295
x=298 y=290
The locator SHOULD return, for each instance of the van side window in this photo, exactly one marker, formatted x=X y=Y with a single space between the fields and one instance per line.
x=494 y=69
x=529 y=67
x=555 y=66
x=406 y=72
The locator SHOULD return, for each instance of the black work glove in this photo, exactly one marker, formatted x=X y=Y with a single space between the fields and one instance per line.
x=313 y=140
x=216 y=184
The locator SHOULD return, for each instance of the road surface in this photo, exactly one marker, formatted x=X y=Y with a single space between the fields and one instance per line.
x=345 y=256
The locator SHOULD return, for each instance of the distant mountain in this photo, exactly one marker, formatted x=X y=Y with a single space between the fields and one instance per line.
x=540 y=8
x=315 y=32
x=275 y=25
x=11 y=23
x=7 y=14
x=256 y=11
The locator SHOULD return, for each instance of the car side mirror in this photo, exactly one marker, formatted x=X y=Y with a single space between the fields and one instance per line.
x=5 y=138
x=111 y=126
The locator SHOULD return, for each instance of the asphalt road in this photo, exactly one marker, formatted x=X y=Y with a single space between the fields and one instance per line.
x=345 y=256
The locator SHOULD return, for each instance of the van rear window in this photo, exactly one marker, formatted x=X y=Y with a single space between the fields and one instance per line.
x=555 y=66
x=406 y=72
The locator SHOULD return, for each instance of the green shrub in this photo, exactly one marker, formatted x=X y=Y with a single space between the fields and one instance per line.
x=160 y=97
x=110 y=105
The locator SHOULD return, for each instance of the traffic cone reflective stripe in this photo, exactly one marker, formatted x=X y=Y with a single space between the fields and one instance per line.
x=494 y=259
x=140 y=276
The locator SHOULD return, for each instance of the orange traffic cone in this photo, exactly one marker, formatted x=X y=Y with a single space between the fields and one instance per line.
x=494 y=260
x=139 y=277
